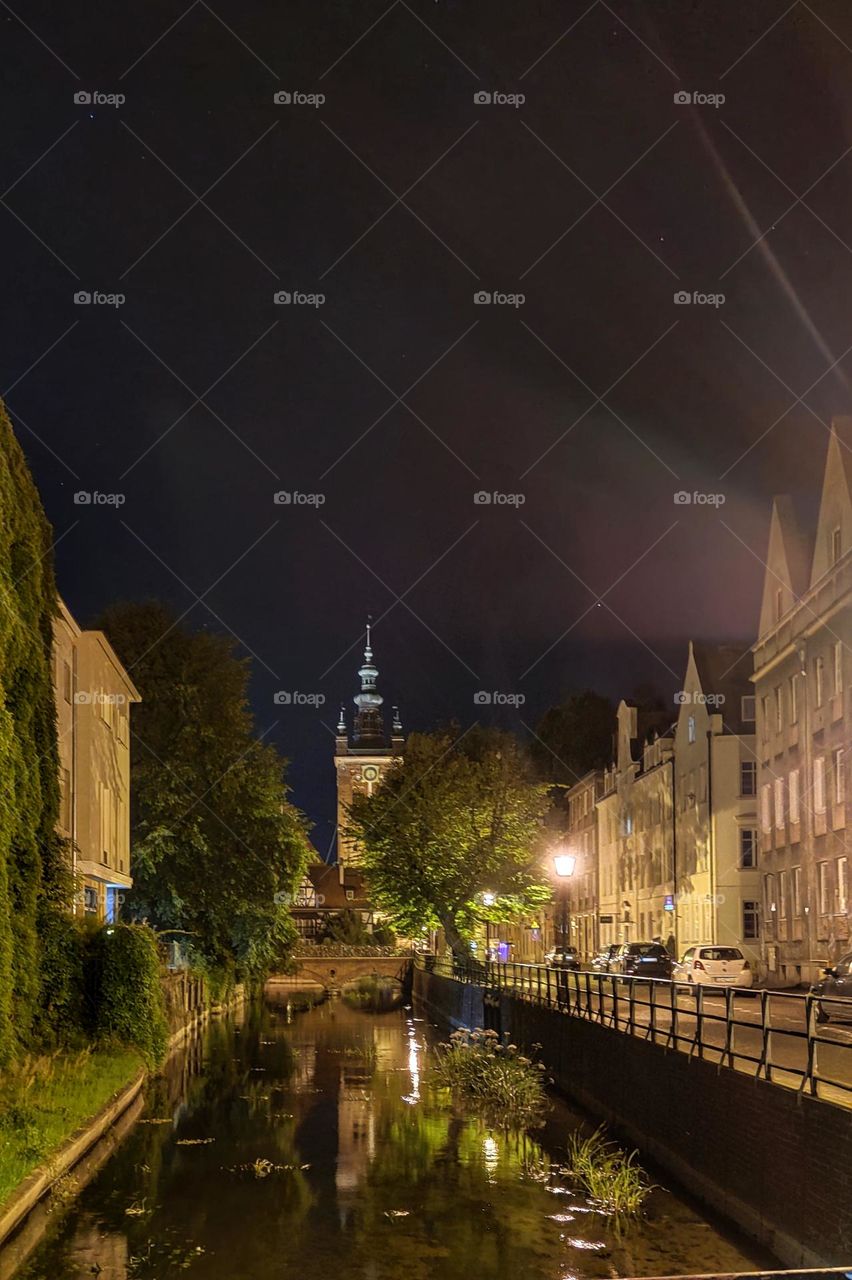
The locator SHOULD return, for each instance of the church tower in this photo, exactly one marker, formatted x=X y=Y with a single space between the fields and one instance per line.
x=360 y=761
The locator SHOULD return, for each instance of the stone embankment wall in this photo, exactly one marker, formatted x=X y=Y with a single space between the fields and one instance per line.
x=775 y=1162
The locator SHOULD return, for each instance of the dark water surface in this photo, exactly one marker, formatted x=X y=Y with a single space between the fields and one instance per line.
x=312 y=1146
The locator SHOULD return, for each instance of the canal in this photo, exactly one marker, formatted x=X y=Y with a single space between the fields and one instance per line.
x=313 y=1145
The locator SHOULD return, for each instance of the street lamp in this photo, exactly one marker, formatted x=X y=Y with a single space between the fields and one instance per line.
x=488 y=900
x=564 y=864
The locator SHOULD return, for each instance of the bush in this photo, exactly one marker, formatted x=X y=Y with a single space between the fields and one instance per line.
x=62 y=940
x=612 y=1179
x=125 y=995
x=493 y=1077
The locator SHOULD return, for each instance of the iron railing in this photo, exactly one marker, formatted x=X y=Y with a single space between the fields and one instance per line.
x=772 y=1035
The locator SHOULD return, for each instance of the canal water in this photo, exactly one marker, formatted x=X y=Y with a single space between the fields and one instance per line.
x=312 y=1145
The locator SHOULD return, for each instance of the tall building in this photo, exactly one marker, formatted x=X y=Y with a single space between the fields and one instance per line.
x=581 y=839
x=802 y=674
x=93 y=698
x=361 y=761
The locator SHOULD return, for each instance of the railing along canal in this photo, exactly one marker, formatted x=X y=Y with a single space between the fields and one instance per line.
x=772 y=1035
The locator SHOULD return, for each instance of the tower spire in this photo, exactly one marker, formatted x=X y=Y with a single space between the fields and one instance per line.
x=369 y=724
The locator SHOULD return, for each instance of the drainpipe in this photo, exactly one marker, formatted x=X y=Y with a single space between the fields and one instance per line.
x=711 y=835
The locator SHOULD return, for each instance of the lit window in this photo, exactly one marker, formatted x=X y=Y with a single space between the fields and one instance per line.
x=837 y=667
x=779 y=709
x=819 y=681
x=779 y=802
x=793 y=795
x=782 y=895
x=819 y=784
x=690 y=724
x=839 y=775
x=794 y=698
x=764 y=715
x=766 y=806
x=822 y=888
x=797 y=892
x=843 y=885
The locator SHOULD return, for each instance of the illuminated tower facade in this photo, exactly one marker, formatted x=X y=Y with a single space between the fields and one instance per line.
x=360 y=760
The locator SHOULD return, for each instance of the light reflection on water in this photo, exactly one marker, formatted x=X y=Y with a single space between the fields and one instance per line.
x=333 y=1156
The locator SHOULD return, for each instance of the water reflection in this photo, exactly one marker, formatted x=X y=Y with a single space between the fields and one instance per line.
x=317 y=1147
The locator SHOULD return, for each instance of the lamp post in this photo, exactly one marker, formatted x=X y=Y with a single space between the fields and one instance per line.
x=488 y=900
x=564 y=864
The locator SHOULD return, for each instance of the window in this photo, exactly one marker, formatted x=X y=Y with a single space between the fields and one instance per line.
x=350 y=895
x=90 y=901
x=748 y=778
x=843 y=885
x=779 y=603
x=747 y=708
x=823 y=896
x=819 y=681
x=628 y=824
x=766 y=806
x=796 y=875
x=837 y=667
x=764 y=715
x=748 y=847
x=779 y=708
x=751 y=920
x=779 y=802
x=819 y=784
x=834 y=547
x=782 y=895
x=793 y=796
x=838 y=775
x=690 y=727
x=793 y=690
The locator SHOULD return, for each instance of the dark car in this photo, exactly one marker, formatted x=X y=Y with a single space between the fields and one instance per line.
x=603 y=958
x=835 y=987
x=563 y=958
x=642 y=960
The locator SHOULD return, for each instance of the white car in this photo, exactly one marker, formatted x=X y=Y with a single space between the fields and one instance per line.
x=714 y=966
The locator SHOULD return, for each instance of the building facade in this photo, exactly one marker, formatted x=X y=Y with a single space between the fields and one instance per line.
x=581 y=840
x=803 y=691
x=361 y=761
x=94 y=694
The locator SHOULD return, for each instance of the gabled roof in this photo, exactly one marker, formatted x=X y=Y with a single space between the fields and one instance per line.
x=724 y=671
x=787 y=560
x=326 y=882
x=835 y=508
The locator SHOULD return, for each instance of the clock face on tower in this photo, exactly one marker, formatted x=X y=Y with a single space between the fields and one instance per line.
x=370 y=773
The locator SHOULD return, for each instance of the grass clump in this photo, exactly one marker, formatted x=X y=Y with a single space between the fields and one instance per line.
x=492 y=1076
x=44 y=1100
x=616 y=1183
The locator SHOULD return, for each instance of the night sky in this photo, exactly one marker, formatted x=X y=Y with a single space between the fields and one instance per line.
x=398 y=198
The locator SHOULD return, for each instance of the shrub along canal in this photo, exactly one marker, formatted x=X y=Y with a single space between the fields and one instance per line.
x=316 y=1145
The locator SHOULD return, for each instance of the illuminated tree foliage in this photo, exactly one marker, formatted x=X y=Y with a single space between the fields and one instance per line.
x=461 y=818
x=217 y=850
x=30 y=853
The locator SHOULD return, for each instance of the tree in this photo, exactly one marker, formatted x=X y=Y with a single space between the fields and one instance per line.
x=32 y=875
x=460 y=819
x=346 y=927
x=216 y=847
x=574 y=737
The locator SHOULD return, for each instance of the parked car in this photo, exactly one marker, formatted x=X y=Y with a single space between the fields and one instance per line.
x=563 y=958
x=602 y=959
x=836 y=982
x=642 y=960
x=714 y=966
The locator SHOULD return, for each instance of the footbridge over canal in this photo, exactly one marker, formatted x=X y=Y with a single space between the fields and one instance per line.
x=334 y=968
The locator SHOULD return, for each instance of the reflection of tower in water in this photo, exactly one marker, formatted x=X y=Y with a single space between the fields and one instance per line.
x=356 y=1133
